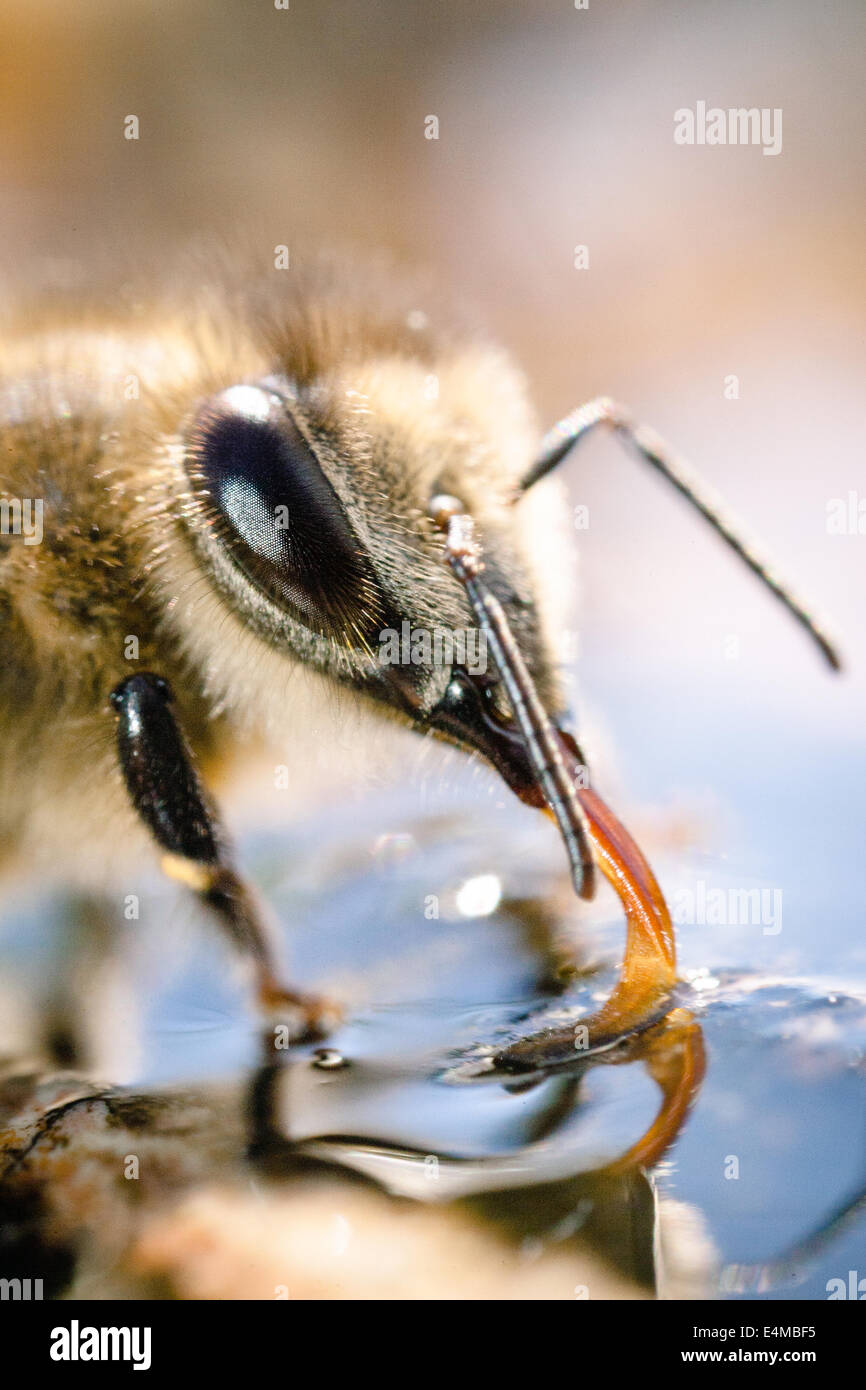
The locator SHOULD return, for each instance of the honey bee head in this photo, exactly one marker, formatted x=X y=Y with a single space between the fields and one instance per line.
x=307 y=484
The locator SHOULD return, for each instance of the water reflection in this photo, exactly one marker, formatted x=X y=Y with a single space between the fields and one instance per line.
x=591 y=1147
x=549 y=1187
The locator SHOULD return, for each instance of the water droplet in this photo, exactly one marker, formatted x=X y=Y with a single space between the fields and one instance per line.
x=328 y=1059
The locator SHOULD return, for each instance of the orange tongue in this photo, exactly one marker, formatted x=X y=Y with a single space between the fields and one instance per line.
x=649 y=965
x=547 y=771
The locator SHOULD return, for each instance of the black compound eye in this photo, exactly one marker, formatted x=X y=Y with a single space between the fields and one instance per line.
x=278 y=515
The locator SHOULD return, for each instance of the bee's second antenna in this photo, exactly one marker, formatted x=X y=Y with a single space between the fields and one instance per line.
x=649 y=447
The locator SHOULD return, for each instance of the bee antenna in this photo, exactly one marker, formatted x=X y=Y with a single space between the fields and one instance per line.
x=653 y=450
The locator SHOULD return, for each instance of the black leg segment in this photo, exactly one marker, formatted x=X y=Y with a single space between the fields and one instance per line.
x=168 y=795
x=158 y=771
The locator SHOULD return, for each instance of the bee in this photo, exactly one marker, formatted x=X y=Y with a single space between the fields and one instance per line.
x=241 y=481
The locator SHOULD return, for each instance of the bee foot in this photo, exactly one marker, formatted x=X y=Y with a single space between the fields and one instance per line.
x=307 y=1017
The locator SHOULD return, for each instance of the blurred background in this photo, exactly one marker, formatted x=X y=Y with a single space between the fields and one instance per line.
x=705 y=263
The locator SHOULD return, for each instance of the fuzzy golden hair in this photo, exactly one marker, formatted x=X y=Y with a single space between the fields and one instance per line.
x=97 y=388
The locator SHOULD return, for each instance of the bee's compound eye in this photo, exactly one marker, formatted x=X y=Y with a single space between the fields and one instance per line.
x=270 y=504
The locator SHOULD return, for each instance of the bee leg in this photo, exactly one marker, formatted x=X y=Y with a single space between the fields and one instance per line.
x=168 y=795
